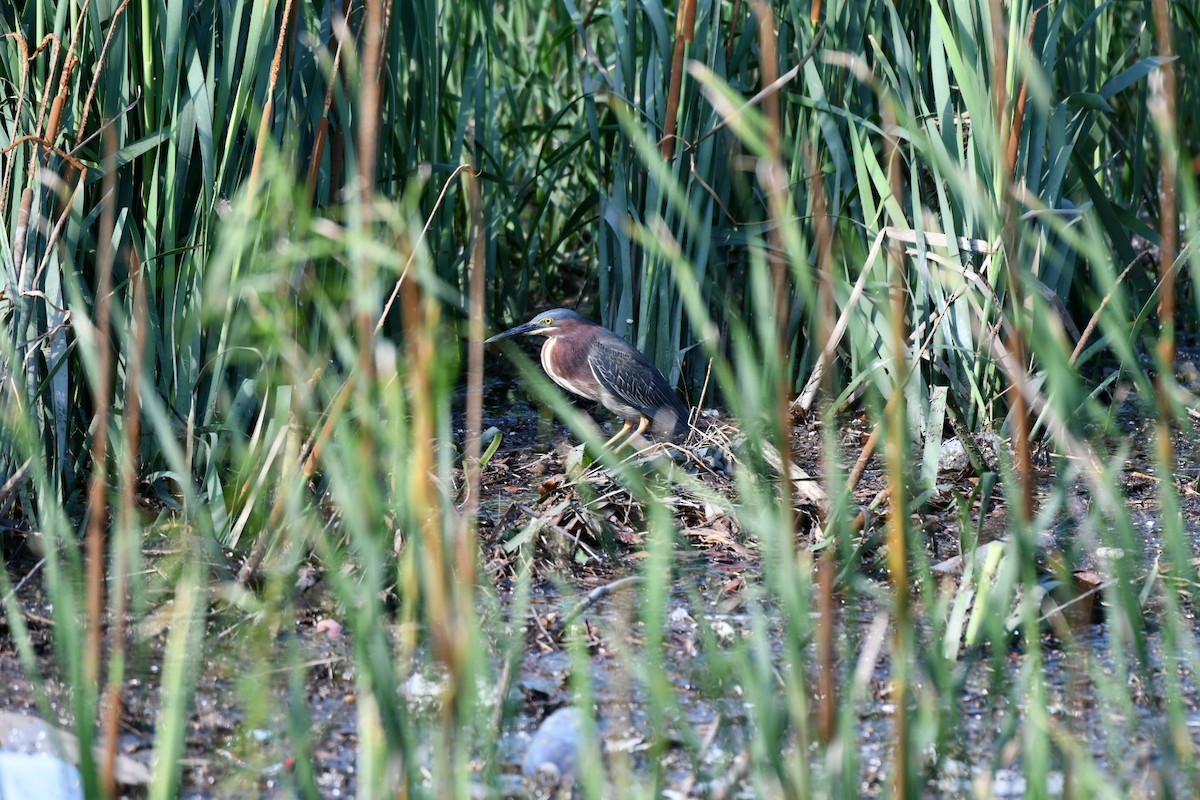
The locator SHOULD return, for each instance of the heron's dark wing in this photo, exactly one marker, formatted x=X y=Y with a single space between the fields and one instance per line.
x=632 y=378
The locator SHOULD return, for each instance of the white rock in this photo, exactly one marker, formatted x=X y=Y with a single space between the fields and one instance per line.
x=39 y=775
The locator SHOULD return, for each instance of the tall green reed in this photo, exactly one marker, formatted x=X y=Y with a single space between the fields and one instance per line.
x=987 y=149
x=252 y=152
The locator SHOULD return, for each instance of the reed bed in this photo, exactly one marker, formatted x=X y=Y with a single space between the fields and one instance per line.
x=251 y=251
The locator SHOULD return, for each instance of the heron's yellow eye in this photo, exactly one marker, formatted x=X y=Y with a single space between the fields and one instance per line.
x=548 y=321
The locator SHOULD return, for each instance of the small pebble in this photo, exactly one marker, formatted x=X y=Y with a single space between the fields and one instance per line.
x=723 y=631
x=553 y=755
x=680 y=621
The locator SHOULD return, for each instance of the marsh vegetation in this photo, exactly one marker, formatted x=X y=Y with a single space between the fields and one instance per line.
x=274 y=523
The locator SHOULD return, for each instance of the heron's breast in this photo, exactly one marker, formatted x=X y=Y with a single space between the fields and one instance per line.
x=565 y=362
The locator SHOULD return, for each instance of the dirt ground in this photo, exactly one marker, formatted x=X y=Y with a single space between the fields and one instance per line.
x=235 y=751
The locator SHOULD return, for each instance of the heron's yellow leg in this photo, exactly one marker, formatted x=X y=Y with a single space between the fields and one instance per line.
x=641 y=428
x=624 y=430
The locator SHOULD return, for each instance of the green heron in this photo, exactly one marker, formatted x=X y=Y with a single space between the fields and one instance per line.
x=593 y=362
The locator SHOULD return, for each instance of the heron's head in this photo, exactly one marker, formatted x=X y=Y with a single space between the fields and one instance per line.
x=555 y=322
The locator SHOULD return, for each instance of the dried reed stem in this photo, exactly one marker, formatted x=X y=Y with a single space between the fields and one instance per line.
x=98 y=485
x=368 y=142
x=126 y=523
x=772 y=174
x=685 y=30
x=318 y=151
x=1014 y=140
x=264 y=123
x=478 y=282
x=91 y=94
x=897 y=470
x=827 y=563
x=1022 y=454
x=1162 y=106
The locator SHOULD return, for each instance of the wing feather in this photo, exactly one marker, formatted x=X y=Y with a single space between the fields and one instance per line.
x=634 y=380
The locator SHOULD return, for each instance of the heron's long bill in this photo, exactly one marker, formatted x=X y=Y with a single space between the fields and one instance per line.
x=528 y=327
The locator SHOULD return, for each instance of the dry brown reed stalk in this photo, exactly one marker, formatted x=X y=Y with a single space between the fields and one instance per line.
x=10 y=162
x=264 y=123
x=337 y=151
x=382 y=59
x=897 y=470
x=1008 y=131
x=1162 y=107
x=368 y=103
x=98 y=484
x=310 y=451
x=79 y=26
x=368 y=143
x=337 y=160
x=11 y=159
x=318 y=151
x=65 y=80
x=368 y=135
x=292 y=26
x=126 y=521
x=1014 y=141
x=451 y=647
x=465 y=546
x=827 y=562
x=685 y=31
x=91 y=94
x=45 y=102
x=773 y=176
x=734 y=18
